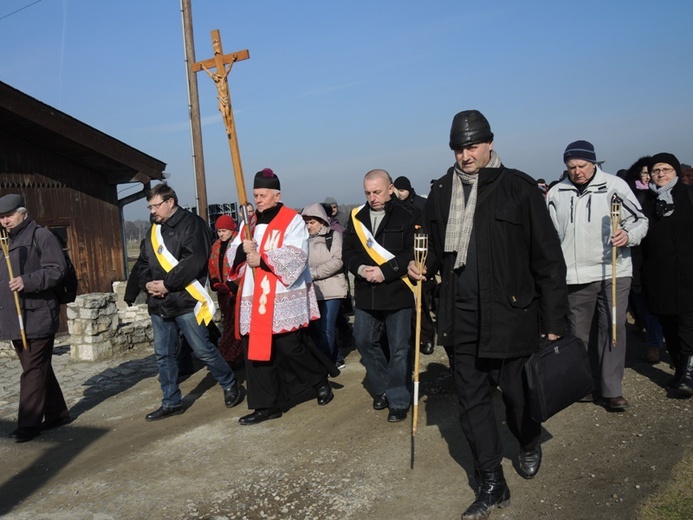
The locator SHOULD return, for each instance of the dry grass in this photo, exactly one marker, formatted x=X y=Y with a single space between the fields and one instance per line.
x=674 y=501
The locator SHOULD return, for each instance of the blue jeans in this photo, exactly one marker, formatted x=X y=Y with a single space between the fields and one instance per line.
x=655 y=336
x=327 y=341
x=165 y=345
x=393 y=378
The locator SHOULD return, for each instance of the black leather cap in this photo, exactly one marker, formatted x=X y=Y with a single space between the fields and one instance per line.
x=469 y=127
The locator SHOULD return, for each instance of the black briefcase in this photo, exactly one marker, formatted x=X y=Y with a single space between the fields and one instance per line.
x=558 y=376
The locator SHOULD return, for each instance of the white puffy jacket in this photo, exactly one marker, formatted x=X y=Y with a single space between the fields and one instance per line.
x=583 y=222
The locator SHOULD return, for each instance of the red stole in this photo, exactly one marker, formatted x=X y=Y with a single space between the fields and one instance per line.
x=262 y=317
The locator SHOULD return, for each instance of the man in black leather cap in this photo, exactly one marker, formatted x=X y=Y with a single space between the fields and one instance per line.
x=503 y=287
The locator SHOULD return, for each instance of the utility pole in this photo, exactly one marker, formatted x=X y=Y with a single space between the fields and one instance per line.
x=194 y=111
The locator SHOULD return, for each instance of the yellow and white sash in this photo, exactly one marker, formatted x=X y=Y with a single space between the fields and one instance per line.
x=204 y=309
x=377 y=252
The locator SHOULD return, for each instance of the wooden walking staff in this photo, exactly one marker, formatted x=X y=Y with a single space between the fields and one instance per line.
x=420 y=254
x=615 y=223
x=5 y=241
x=218 y=69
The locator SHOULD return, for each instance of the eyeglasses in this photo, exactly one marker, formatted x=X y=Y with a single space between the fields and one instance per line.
x=663 y=171
x=156 y=206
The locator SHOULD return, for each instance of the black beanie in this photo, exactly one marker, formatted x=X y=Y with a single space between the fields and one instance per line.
x=402 y=183
x=667 y=158
x=469 y=127
x=266 y=179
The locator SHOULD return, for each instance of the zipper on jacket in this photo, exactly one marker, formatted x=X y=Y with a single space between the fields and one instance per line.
x=589 y=208
x=572 y=208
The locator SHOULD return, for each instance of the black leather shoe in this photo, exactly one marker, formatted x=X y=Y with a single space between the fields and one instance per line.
x=685 y=383
x=427 y=348
x=232 y=395
x=23 y=434
x=380 y=402
x=163 y=412
x=55 y=423
x=616 y=404
x=529 y=462
x=397 y=415
x=260 y=415
x=493 y=493
x=325 y=394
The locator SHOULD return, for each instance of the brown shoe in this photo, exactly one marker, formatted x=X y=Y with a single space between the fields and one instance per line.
x=616 y=404
x=652 y=355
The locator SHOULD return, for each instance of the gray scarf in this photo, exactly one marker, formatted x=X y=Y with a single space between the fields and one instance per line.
x=461 y=218
x=664 y=194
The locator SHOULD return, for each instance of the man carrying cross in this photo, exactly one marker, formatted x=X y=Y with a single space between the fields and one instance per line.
x=174 y=271
x=276 y=302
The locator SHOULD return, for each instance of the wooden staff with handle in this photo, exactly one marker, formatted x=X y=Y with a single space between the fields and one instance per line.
x=218 y=69
x=420 y=254
x=615 y=223
x=5 y=241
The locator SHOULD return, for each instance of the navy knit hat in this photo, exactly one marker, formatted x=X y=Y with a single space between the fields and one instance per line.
x=580 y=150
x=266 y=179
x=469 y=127
x=667 y=158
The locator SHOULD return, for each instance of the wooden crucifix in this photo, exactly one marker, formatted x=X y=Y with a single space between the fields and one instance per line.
x=218 y=69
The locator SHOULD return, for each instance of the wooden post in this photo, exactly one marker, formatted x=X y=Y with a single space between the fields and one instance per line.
x=218 y=69
x=194 y=111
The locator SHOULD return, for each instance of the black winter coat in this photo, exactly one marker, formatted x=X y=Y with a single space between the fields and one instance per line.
x=396 y=234
x=667 y=251
x=41 y=273
x=188 y=239
x=522 y=289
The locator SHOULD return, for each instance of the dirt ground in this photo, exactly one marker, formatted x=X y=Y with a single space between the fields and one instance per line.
x=341 y=461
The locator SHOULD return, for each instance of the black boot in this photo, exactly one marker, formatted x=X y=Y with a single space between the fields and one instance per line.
x=685 y=383
x=675 y=357
x=493 y=493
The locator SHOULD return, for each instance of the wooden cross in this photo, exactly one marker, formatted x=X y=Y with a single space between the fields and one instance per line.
x=218 y=69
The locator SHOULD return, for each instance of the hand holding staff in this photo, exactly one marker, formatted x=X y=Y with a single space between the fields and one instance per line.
x=420 y=254
x=5 y=244
x=615 y=223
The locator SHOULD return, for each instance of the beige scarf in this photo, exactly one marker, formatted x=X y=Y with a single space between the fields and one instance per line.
x=461 y=217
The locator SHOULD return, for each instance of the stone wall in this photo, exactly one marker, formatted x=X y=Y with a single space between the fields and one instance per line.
x=101 y=325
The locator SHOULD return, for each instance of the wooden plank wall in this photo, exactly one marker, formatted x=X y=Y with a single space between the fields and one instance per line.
x=61 y=192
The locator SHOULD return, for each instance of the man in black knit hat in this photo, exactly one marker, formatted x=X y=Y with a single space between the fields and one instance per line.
x=502 y=288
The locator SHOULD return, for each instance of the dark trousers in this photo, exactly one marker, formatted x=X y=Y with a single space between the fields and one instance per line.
x=678 y=332
x=292 y=369
x=475 y=379
x=40 y=395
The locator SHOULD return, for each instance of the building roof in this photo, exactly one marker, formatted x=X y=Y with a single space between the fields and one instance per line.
x=33 y=121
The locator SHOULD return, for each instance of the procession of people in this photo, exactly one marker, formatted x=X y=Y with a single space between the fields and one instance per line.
x=509 y=265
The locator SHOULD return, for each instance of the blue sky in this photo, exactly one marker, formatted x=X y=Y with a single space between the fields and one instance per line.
x=334 y=89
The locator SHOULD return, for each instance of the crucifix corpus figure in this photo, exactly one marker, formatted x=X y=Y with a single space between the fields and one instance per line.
x=218 y=69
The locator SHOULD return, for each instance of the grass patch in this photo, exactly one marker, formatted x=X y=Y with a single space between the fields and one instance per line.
x=674 y=501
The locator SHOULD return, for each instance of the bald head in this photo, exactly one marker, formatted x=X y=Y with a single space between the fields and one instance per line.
x=378 y=187
x=378 y=174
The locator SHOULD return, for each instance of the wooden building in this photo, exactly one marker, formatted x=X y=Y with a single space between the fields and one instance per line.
x=69 y=174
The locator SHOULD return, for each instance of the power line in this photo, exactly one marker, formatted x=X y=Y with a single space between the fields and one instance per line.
x=20 y=9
